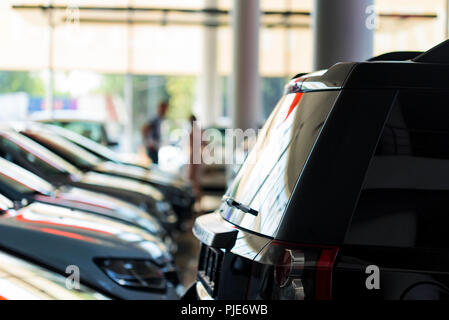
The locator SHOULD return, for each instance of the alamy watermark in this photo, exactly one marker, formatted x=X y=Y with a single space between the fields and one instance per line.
x=372 y=282
x=212 y=146
x=72 y=14
x=372 y=19
x=72 y=282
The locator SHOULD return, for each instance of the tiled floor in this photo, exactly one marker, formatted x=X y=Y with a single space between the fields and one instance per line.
x=186 y=257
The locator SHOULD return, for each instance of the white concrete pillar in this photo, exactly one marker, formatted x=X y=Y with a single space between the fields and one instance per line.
x=208 y=110
x=245 y=80
x=343 y=31
x=129 y=134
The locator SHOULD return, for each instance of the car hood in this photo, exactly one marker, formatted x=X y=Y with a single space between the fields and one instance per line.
x=105 y=205
x=22 y=280
x=126 y=184
x=59 y=237
x=141 y=174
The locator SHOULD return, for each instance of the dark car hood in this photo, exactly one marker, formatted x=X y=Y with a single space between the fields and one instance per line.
x=22 y=280
x=142 y=174
x=105 y=205
x=122 y=183
x=58 y=237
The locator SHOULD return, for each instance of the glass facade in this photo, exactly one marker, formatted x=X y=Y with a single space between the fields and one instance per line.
x=91 y=51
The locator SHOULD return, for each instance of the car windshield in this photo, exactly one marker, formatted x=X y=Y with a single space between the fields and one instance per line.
x=66 y=149
x=90 y=145
x=22 y=180
x=270 y=173
x=5 y=203
x=37 y=154
x=91 y=130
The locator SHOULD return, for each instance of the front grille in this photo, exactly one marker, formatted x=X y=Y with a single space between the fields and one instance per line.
x=209 y=268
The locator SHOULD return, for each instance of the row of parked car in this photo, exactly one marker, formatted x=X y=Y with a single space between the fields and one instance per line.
x=69 y=206
x=345 y=195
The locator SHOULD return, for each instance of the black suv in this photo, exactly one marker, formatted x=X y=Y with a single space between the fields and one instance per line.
x=346 y=193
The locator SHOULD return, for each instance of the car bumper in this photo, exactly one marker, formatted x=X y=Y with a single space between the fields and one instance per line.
x=196 y=291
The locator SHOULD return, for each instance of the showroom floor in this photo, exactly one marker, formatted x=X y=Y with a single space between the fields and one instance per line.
x=188 y=246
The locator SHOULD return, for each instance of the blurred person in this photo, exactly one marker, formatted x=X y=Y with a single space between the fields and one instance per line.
x=151 y=132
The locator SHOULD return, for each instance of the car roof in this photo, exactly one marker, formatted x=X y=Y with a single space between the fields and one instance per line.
x=428 y=70
x=67 y=116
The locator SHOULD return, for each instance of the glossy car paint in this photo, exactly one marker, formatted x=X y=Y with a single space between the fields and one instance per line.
x=24 y=152
x=5 y=204
x=19 y=184
x=176 y=191
x=56 y=238
x=320 y=209
x=22 y=280
x=108 y=155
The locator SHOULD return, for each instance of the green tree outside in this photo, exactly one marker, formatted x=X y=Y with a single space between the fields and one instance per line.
x=21 y=82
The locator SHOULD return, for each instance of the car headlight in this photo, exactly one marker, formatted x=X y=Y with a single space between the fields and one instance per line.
x=135 y=274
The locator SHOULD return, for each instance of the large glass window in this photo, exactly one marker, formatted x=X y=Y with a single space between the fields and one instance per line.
x=405 y=198
x=91 y=52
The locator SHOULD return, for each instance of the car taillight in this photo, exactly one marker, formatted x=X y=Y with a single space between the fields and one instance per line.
x=288 y=273
x=285 y=271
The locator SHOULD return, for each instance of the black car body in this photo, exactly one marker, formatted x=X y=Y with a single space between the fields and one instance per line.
x=22 y=280
x=32 y=156
x=346 y=193
x=175 y=191
x=22 y=186
x=118 y=260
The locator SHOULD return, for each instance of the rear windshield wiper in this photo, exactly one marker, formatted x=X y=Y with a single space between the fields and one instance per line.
x=232 y=203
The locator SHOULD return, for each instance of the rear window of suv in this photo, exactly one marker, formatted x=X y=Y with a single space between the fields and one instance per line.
x=405 y=198
x=267 y=178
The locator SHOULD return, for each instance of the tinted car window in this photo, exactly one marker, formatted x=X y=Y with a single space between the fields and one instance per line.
x=22 y=180
x=92 y=131
x=96 y=148
x=405 y=198
x=269 y=174
x=65 y=149
x=13 y=144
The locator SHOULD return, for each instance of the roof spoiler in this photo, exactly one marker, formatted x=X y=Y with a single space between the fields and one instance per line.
x=397 y=56
x=299 y=75
x=438 y=54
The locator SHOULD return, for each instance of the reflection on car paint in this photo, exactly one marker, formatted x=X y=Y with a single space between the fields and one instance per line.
x=21 y=280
